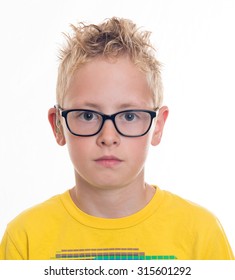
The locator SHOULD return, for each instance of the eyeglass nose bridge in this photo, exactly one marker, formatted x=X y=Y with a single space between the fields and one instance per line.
x=109 y=117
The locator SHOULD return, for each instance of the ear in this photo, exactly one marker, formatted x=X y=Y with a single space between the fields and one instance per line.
x=56 y=126
x=161 y=119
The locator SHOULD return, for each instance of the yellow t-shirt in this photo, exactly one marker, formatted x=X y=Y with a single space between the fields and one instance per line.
x=169 y=227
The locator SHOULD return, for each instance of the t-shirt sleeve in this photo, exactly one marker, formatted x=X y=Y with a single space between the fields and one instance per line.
x=213 y=244
x=219 y=245
x=8 y=250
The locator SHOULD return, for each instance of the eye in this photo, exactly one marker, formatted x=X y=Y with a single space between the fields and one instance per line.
x=84 y=116
x=129 y=116
x=88 y=116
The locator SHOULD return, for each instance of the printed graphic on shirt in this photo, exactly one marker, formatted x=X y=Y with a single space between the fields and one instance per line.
x=108 y=254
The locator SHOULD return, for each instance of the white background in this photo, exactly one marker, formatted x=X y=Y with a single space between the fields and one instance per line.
x=195 y=43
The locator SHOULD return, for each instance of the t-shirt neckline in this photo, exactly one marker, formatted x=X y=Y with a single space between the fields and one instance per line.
x=108 y=223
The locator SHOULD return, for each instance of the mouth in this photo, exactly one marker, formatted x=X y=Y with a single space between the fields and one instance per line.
x=108 y=161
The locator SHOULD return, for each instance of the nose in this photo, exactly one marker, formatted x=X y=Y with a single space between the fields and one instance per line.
x=108 y=136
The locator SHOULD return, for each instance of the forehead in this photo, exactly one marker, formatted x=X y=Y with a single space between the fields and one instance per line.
x=109 y=83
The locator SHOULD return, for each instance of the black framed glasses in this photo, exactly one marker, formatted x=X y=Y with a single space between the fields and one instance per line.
x=129 y=123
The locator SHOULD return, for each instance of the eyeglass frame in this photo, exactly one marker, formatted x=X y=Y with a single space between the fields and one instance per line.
x=105 y=117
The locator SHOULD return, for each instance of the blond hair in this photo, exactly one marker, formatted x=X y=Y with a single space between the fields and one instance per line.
x=110 y=39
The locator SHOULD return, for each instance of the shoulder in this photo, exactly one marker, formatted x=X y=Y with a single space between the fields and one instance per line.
x=187 y=211
x=190 y=218
x=38 y=214
x=196 y=228
x=28 y=228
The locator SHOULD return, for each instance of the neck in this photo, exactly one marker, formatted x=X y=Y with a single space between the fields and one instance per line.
x=112 y=203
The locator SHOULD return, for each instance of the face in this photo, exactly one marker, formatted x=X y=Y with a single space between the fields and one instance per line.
x=108 y=159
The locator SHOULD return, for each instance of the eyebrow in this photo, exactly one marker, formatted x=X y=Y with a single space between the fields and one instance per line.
x=119 y=106
x=130 y=105
x=90 y=105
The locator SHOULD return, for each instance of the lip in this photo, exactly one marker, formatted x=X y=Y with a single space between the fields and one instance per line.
x=108 y=161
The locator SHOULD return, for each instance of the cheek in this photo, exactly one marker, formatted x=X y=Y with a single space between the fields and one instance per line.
x=77 y=148
x=137 y=150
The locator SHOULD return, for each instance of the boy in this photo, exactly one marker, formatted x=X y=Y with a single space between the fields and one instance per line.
x=109 y=98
